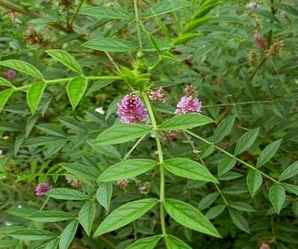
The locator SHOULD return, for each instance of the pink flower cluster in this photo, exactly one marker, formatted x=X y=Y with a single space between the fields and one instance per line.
x=132 y=110
x=188 y=104
x=41 y=189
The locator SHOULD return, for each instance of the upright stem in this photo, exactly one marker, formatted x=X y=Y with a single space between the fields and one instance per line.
x=160 y=159
x=135 y=4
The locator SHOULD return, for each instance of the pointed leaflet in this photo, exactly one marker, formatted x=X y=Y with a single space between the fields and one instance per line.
x=175 y=243
x=108 y=44
x=225 y=166
x=23 y=67
x=32 y=234
x=215 y=211
x=290 y=188
x=67 y=194
x=53 y=244
x=246 y=141
x=121 y=133
x=146 y=243
x=50 y=216
x=65 y=58
x=125 y=214
x=104 y=195
x=289 y=172
x=68 y=235
x=268 y=152
x=277 y=197
x=254 y=181
x=126 y=169
x=189 y=169
x=239 y=220
x=4 y=96
x=87 y=216
x=190 y=217
x=76 y=89
x=224 y=129
x=186 y=121
x=34 y=95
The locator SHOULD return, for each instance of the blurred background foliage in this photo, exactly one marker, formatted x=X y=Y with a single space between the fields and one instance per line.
x=244 y=64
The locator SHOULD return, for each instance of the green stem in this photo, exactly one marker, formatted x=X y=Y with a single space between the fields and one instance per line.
x=127 y=155
x=160 y=159
x=135 y=4
x=232 y=156
x=75 y=14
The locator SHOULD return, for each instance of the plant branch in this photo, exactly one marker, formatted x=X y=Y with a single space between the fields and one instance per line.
x=135 y=4
x=232 y=156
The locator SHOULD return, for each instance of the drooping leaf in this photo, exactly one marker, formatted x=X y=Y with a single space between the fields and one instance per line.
x=239 y=220
x=76 y=89
x=104 y=194
x=190 y=169
x=65 y=58
x=254 y=181
x=34 y=95
x=190 y=217
x=186 y=121
x=146 y=243
x=268 y=153
x=4 y=96
x=246 y=141
x=277 y=197
x=289 y=172
x=126 y=169
x=125 y=214
x=87 y=216
x=121 y=133
x=173 y=242
x=23 y=67
x=108 y=44
x=67 y=194
x=68 y=235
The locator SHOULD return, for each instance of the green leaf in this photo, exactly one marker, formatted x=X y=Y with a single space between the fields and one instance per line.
x=29 y=234
x=104 y=195
x=189 y=169
x=8 y=243
x=254 y=181
x=121 y=133
x=290 y=188
x=107 y=44
x=65 y=58
x=289 y=172
x=34 y=95
x=103 y=13
x=87 y=216
x=242 y=206
x=53 y=244
x=268 y=152
x=76 y=89
x=190 y=217
x=4 y=96
x=50 y=216
x=206 y=7
x=68 y=235
x=215 y=211
x=174 y=243
x=146 y=243
x=186 y=121
x=125 y=214
x=246 y=141
x=224 y=129
x=239 y=220
x=225 y=166
x=5 y=82
x=277 y=197
x=23 y=67
x=126 y=169
x=67 y=194
x=208 y=200
x=193 y=24
x=82 y=171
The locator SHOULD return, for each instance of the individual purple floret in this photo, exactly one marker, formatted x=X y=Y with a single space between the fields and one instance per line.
x=158 y=95
x=41 y=189
x=188 y=104
x=9 y=74
x=132 y=110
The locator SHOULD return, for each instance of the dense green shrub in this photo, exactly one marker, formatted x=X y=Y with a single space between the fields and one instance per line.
x=79 y=170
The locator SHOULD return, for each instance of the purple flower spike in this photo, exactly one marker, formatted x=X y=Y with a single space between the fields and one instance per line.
x=41 y=189
x=158 y=95
x=132 y=110
x=188 y=104
x=10 y=74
